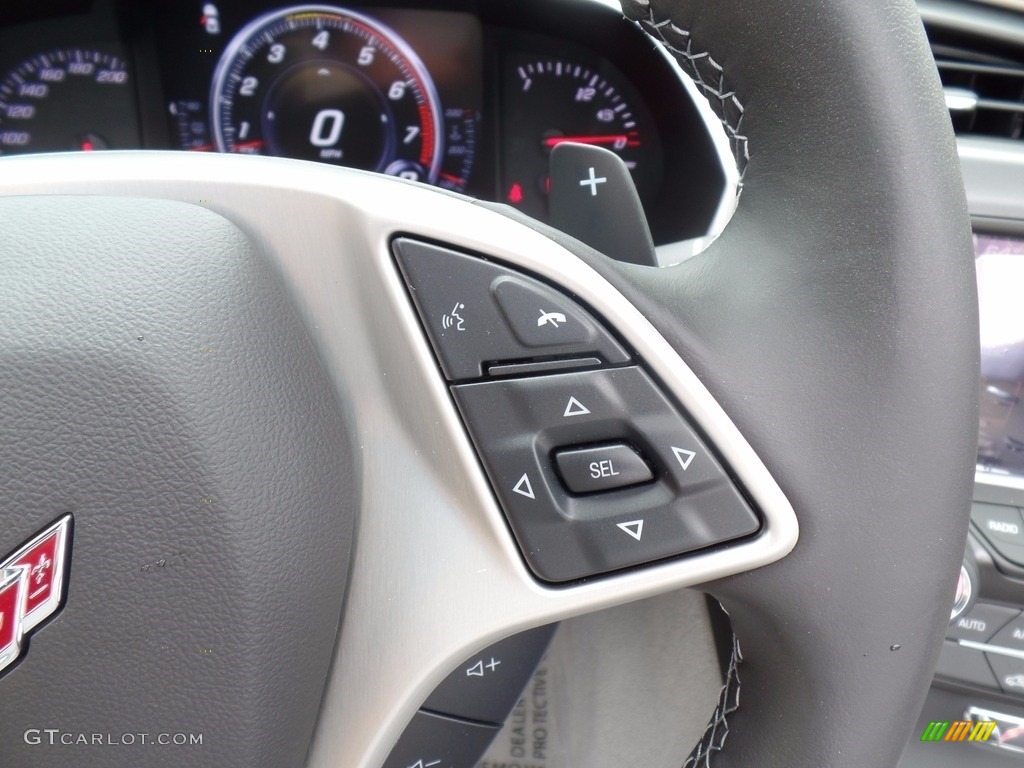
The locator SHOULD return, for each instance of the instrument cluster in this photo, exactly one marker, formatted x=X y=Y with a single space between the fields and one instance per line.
x=467 y=95
x=396 y=91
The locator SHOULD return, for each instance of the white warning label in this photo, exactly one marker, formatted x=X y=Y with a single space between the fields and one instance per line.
x=526 y=740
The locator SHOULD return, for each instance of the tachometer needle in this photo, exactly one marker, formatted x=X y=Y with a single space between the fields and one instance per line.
x=618 y=139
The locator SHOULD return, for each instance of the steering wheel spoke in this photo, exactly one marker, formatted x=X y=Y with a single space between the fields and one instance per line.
x=436 y=574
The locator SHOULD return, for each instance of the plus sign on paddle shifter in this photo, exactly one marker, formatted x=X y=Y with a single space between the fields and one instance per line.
x=593 y=199
x=593 y=181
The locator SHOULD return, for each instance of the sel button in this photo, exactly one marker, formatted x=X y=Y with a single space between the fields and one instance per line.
x=601 y=468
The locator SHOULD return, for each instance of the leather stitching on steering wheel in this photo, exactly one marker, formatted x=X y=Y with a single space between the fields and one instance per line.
x=717 y=731
x=708 y=75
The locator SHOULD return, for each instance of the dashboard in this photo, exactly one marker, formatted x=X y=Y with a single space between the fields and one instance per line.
x=468 y=97
x=471 y=98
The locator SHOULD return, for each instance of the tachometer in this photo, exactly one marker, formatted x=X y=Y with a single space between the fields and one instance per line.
x=328 y=84
x=550 y=100
x=64 y=100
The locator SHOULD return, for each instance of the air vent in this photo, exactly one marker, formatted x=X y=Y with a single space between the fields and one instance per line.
x=985 y=94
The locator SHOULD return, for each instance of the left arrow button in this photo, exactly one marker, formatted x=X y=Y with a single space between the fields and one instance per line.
x=523 y=487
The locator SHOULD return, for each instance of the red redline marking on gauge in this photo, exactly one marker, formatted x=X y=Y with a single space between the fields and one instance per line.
x=427 y=127
x=426 y=123
x=553 y=141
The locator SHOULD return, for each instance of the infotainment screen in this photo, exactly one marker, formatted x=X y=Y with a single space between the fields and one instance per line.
x=999 y=262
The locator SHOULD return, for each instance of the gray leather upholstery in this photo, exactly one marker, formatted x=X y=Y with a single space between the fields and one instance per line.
x=155 y=383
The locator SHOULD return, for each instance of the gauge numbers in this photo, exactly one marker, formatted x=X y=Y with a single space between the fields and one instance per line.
x=67 y=99
x=549 y=101
x=328 y=84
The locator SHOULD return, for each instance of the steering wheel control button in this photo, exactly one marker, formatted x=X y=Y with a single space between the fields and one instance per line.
x=539 y=317
x=684 y=457
x=487 y=685
x=634 y=529
x=479 y=314
x=965 y=665
x=594 y=199
x=524 y=487
x=434 y=741
x=601 y=468
x=599 y=471
x=981 y=622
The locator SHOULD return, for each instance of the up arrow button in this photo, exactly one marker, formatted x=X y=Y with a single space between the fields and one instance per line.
x=575 y=408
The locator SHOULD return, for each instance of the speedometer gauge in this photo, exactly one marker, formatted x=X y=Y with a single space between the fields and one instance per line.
x=322 y=83
x=67 y=99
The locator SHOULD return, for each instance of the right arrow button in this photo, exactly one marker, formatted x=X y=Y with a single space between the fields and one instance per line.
x=689 y=462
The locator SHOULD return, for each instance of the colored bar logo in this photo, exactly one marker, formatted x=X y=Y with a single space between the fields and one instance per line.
x=958 y=730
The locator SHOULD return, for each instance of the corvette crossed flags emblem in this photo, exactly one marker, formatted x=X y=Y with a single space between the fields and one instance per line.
x=31 y=587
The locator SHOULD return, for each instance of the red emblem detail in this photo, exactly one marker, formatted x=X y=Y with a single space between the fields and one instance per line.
x=31 y=586
x=39 y=559
x=11 y=592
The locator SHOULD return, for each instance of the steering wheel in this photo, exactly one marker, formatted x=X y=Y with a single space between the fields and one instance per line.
x=283 y=537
